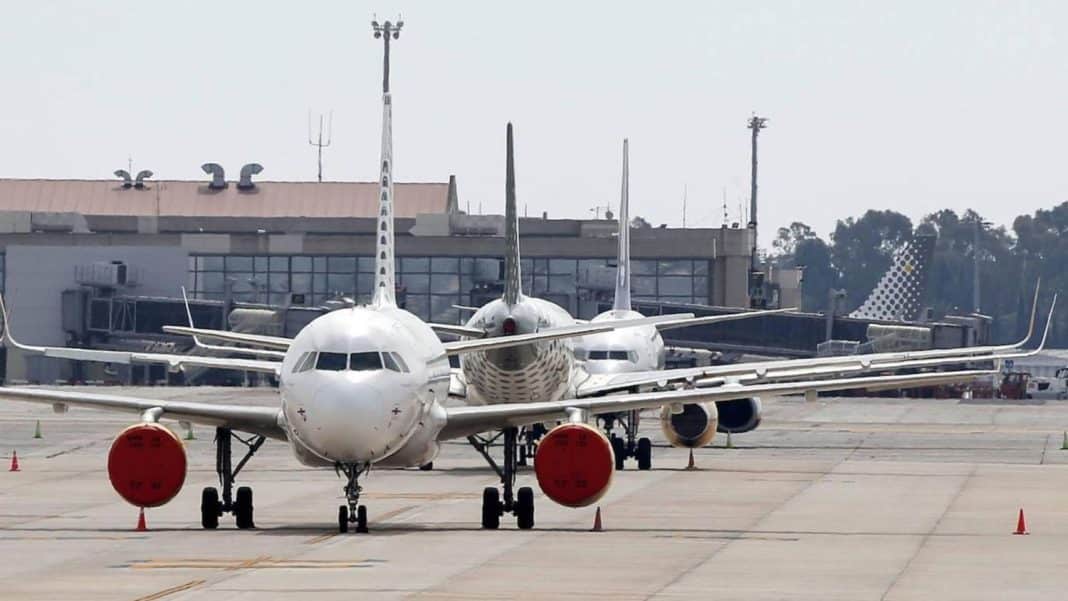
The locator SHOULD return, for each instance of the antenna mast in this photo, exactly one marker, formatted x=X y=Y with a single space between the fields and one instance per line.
x=684 y=206
x=319 y=143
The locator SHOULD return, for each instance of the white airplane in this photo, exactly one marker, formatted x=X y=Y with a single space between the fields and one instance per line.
x=543 y=370
x=366 y=386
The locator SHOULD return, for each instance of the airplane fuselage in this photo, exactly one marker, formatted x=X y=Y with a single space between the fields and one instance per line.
x=540 y=371
x=639 y=348
x=364 y=385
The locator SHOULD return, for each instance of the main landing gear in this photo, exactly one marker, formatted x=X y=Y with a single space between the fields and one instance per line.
x=211 y=507
x=353 y=512
x=496 y=503
x=629 y=445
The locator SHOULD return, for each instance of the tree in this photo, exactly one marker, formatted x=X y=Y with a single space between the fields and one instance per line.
x=861 y=250
x=785 y=243
x=640 y=223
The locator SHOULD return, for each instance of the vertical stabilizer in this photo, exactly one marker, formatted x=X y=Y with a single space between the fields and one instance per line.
x=622 y=301
x=513 y=290
x=898 y=295
x=384 y=261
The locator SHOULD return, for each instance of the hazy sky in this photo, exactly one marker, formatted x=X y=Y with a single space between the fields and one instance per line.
x=913 y=106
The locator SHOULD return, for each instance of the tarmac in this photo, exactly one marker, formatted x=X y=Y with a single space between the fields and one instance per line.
x=840 y=498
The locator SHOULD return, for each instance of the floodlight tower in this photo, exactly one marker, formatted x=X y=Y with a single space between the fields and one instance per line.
x=756 y=276
x=385 y=31
x=755 y=125
x=384 y=294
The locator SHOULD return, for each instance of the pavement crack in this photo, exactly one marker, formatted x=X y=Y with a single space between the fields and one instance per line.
x=929 y=534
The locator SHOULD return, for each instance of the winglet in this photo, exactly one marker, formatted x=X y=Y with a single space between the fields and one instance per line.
x=1049 y=321
x=513 y=283
x=8 y=337
x=622 y=300
x=384 y=295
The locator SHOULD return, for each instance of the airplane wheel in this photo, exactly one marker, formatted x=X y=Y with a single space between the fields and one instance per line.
x=342 y=519
x=209 y=508
x=645 y=453
x=491 y=508
x=361 y=519
x=426 y=467
x=619 y=450
x=243 y=508
x=524 y=508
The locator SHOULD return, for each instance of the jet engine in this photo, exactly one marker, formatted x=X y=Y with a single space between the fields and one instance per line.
x=146 y=465
x=739 y=415
x=693 y=427
x=574 y=464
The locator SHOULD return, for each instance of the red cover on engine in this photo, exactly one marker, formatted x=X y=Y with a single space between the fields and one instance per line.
x=146 y=465
x=574 y=464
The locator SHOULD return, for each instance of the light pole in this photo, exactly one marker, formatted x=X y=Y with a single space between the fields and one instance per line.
x=386 y=31
x=979 y=225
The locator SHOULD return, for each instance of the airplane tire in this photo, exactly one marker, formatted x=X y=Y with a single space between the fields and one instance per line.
x=619 y=450
x=342 y=519
x=645 y=454
x=243 y=508
x=209 y=508
x=524 y=508
x=361 y=519
x=491 y=508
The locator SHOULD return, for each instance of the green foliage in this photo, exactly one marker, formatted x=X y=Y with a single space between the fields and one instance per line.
x=860 y=250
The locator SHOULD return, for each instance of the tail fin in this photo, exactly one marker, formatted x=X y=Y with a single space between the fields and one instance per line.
x=897 y=296
x=513 y=283
x=622 y=301
x=385 y=279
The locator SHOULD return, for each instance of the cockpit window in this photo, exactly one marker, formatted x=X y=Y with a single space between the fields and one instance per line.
x=394 y=362
x=332 y=362
x=610 y=355
x=306 y=361
x=365 y=361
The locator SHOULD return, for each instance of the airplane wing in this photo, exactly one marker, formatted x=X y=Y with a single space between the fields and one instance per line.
x=173 y=361
x=599 y=384
x=268 y=421
x=277 y=343
x=571 y=331
x=256 y=352
x=709 y=319
x=454 y=330
x=464 y=421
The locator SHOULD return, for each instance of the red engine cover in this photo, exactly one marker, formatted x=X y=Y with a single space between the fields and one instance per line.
x=574 y=464
x=146 y=465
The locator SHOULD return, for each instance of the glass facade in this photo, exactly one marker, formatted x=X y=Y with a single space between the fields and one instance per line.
x=432 y=285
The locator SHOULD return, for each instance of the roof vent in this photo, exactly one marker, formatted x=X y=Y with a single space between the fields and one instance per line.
x=246 y=176
x=142 y=175
x=218 y=176
x=127 y=182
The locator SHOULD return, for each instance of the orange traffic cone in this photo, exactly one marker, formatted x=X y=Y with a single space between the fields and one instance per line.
x=690 y=465
x=141 y=527
x=14 y=462
x=597 y=521
x=1021 y=525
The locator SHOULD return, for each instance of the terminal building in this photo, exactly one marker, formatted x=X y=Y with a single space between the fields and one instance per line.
x=100 y=263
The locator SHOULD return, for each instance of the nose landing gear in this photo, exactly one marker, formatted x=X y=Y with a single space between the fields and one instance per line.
x=628 y=445
x=353 y=512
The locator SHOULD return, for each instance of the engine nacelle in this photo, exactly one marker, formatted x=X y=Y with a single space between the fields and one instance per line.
x=739 y=415
x=146 y=465
x=574 y=464
x=693 y=427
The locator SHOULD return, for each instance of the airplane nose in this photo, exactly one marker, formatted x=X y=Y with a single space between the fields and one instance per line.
x=357 y=422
